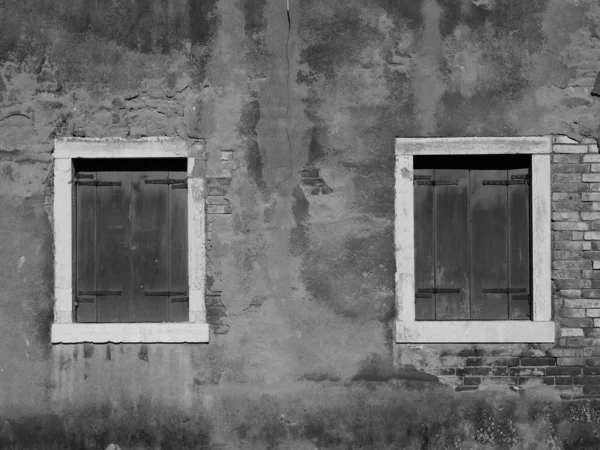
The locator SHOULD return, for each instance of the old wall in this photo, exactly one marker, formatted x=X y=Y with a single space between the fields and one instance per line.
x=299 y=129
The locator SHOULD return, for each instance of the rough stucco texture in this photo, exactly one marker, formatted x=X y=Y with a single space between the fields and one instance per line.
x=299 y=154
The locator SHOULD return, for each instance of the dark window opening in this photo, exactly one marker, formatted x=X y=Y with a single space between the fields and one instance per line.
x=472 y=237
x=130 y=243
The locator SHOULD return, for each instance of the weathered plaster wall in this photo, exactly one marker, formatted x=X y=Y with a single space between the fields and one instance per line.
x=300 y=250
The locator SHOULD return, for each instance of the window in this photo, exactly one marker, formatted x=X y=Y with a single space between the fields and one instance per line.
x=473 y=240
x=129 y=242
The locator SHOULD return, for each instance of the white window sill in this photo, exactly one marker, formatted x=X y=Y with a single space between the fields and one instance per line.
x=488 y=331
x=175 y=332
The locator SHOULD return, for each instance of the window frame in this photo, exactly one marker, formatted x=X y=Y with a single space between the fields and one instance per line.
x=541 y=329
x=64 y=330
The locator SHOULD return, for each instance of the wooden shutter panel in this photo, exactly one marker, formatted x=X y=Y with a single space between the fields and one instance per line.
x=85 y=259
x=452 y=244
x=424 y=244
x=113 y=232
x=150 y=233
x=178 y=248
x=489 y=246
x=519 y=260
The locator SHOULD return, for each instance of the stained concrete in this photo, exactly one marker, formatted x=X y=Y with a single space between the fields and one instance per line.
x=303 y=277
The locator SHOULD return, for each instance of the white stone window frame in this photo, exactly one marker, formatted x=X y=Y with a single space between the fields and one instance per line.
x=541 y=329
x=64 y=330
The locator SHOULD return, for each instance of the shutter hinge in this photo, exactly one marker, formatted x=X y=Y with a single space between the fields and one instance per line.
x=515 y=179
x=439 y=291
x=175 y=184
x=100 y=293
x=164 y=293
x=98 y=183
x=426 y=180
x=503 y=290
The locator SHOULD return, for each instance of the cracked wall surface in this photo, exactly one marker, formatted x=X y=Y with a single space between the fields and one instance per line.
x=298 y=128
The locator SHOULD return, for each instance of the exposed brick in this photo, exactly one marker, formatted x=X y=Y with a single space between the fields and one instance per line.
x=567 y=216
x=591 y=254
x=591 y=196
x=566 y=274
x=596 y=323
x=571 y=265
x=591 y=274
x=566 y=158
x=571 y=168
x=591 y=351
x=570 y=205
x=447 y=371
x=569 y=148
x=465 y=371
x=566 y=177
x=595 y=205
x=562 y=381
x=563 y=139
x=592 y=312
x=562 y=235
x=593 y=379
x=594 y=284
x=577 y=235
x=566 y=255
x=595 y=245
x=591 y=341
x=466 y=388
x=576 y=323
x=581 y=303
x=594 y=167
x=595 y=187
x=492 y=361
x=595 y=265
x=568 y=332
x=564 y=371
x=568 y=352
x=593 y=362
x=593 y=148
x=594 y=390
x=591 y=215
x=527 y=371
x=570 y=293
x=590 y=293
x=472 y=381
x=572 y=187
x=595 y=225
x=573 y=284
x=574 y=341
x=580 y=379
x=592 y=333
x=591 y=158
x=591 y=370
x=218 y=209
x=570 y=226
x=570 y=361
x=572 y=245
x=591 y=177
x=564 y=312
x=548 y=380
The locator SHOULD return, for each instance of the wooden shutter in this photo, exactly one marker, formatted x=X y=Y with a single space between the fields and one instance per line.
x=113 y=232
x=452 y=244
x=85 y=257
x=519 y=226
x=424 y=245
x=489 y=245
x=150 y=251
x=178 y=244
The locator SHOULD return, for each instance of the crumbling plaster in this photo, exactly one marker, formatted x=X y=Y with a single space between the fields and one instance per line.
x=300 y=261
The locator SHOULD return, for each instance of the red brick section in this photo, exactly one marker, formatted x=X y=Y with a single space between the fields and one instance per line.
x=573 y=366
